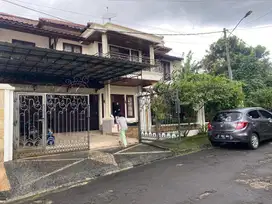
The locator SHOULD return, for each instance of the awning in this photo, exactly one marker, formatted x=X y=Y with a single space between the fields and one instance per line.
x=32 y=65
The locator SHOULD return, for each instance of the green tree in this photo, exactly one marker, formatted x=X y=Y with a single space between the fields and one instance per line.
x=197 y=90
x=250 y=65
x=215 y=60
x=261 y=98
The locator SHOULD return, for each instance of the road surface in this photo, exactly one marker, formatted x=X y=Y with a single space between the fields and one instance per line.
x=217 y=176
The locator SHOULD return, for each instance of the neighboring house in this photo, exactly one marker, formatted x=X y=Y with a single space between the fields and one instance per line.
x=101 y=69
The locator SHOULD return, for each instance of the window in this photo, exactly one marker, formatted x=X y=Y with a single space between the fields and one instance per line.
x=166 y=70
x=254 y=114
x=130 y=106
x=135 y=56
x=100 y=50
x=266 y=114
x=72 y=48
x=24 y=43
x=227 y=117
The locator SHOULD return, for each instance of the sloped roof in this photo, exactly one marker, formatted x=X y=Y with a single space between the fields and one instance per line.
x=17 y=19
x=35 y=26
x=63 y=23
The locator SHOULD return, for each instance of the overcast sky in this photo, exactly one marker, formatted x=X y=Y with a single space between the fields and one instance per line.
x=165 y=16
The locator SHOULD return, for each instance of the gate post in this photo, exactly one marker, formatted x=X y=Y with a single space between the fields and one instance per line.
x=6 y=122
x=139 y=119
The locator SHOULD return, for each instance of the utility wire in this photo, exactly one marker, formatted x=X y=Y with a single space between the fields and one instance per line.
x=58 y=9
x=262 y=16
x=126 y=32
x=96 y=17
x=132 y=32
x=25 y=7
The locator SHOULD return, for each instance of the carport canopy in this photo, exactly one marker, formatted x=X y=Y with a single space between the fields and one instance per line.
x=37 y=66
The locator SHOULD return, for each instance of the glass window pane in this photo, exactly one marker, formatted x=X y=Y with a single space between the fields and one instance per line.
x=266 y=114
x=130 y=106
x=254 y=114
x=67 y=48
x=77 y=49
x=227 y=117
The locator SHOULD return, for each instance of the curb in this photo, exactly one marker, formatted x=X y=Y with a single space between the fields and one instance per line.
x=126 y=166
x=121 y=167
x=61 y=187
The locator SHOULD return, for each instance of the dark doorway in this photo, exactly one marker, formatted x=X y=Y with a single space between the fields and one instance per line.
x=118 y=104
x=94 y=118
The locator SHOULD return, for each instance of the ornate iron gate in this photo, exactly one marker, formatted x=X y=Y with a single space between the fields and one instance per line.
x=150 y=128
x=50 y=123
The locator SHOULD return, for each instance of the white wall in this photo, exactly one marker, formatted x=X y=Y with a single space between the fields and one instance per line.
x=43 y=42
x=154 y=76
x=86 y=49
x=7 y=36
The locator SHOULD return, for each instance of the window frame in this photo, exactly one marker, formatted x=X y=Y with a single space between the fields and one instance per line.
x=264 y=116
x=24 y=43
x=254 y=118
x=133 y=108
x=166 y=69
x=73 y=48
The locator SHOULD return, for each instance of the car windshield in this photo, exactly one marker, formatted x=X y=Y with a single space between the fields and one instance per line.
x=227 y=117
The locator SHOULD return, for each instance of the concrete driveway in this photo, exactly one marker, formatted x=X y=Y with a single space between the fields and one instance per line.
x=217 y=176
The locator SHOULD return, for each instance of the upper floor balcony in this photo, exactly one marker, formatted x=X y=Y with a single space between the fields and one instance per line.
x=157 y=70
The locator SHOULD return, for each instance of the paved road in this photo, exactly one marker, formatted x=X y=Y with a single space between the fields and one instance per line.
x=218 y=176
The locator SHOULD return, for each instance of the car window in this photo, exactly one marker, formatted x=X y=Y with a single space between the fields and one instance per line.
x=227 y=117
x=254 y=114
x=266 y=114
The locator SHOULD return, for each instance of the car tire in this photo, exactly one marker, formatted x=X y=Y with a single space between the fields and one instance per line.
x=215 y=144
x=254 y=141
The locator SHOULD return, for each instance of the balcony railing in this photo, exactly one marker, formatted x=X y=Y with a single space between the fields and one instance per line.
x=158 y=67
x=127 y=57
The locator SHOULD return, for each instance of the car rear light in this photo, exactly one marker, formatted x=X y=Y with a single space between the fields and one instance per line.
x=209 y=126
x=241 y=125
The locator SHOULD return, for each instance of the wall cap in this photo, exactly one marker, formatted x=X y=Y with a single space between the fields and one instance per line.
x=6 y=87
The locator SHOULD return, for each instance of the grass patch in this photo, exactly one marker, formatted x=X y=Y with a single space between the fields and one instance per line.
x=186 y=144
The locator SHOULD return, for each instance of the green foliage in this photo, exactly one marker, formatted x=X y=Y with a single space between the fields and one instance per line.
x=261 y=97
x=195 y=90
x=199 y=89
x=203 y=129
x=159 y=107
x=250 y=66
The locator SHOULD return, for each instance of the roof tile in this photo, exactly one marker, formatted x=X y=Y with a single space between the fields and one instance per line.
x=63 y=23
x=5 y=16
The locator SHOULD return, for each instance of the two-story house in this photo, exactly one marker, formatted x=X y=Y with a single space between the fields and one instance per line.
x=66 y=79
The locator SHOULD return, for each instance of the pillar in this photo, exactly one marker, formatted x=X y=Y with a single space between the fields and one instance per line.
x=140 y=56
x=107 y=99
x=152 y=54
x=6 y=132
x=108 y=121
x=105 y=46
x=201 y=116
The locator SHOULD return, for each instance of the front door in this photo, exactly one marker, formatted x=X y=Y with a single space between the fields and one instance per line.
x=94 y=118
x=118 y=104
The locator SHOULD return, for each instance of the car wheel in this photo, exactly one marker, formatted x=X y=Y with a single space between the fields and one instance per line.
x=215 y=144
x=254 y=141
